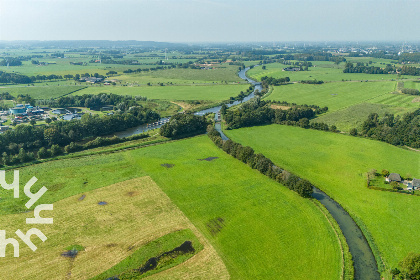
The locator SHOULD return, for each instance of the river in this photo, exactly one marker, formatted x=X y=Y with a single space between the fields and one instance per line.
x=365 y=267
x=145 y=127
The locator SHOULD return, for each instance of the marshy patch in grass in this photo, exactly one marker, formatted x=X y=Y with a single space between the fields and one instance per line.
x=208 y=159
x=102 y=203
x=168 y=165
x=215 y=225
x=70 y=254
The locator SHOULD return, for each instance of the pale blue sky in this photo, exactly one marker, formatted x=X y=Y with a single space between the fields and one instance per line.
x=210 y=20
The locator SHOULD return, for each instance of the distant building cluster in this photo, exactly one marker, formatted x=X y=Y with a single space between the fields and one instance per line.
x=291 y=69
x=92 y=80
x=25 y=110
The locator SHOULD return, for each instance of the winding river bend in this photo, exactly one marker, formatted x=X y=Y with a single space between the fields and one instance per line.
x=365 y=267
x=145 y=127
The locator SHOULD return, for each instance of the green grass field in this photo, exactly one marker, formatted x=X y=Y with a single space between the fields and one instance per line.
x=403 y=102
x=221 y=73
x=337 y=164
x=41 y=92
x=106 y=235
x=266 y=228
x=217 y=92
x=324 y=70
x=354 y=116
x=333 y=95
x=412 y=84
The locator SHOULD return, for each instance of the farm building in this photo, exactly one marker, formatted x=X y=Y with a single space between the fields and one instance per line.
x=291 y=69
x=416 y=184
x=394 y=177
x=91 y=80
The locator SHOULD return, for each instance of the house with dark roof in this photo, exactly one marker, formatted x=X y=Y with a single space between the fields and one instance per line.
x=394 y=177
x=416 y=184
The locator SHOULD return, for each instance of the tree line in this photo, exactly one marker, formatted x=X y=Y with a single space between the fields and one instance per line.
x=273 y=81
x=410 y=91
x=59 y=134
x=264 y=165
x=312 y=82
x=13 y=78
x=259 y=112
x=95 y=102
x=395 y=130
x=360 y=67
x=11 y=61
x=183 y=125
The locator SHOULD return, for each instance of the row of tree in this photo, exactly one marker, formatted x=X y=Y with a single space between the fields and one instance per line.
x=312 y=82
x=55 y=150
x=62 y=133
x=259 y=112
x=361 y=68
x=11 y=61
x=182 y=125
x=138 y=70
x=410 y=70
x=261 y=163
x=92 y=101
x=410 y=91
x=392 y=129
x=273 y=81
x=13 y=78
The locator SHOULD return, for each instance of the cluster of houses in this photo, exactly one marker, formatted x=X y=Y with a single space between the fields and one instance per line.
x=410 y=185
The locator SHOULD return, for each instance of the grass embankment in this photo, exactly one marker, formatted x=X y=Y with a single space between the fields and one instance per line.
x=337 y=165
x=137 y=216
x=259 y=228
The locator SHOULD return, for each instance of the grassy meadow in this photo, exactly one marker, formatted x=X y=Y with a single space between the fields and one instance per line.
x=138 y=218
x=335 y=96
x=191 y=92
x=337 y=164
x=42 y=92
x=354 y=116
x=219 y=74
x=322 y=70
x=258 y=227
x=412 y=84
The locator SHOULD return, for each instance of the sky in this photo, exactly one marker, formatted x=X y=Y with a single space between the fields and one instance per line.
x=211 y=20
